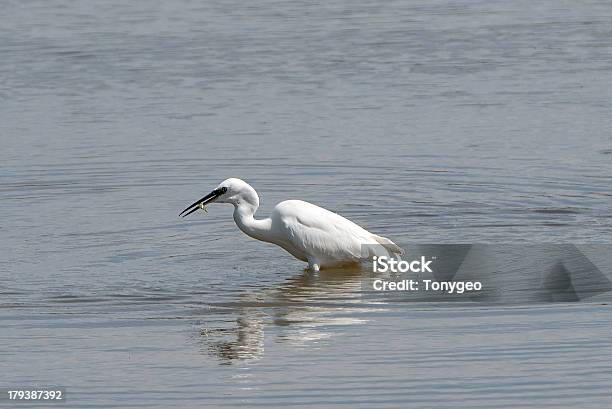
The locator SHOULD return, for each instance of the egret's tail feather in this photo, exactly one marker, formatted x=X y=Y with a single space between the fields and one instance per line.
x=389 y=245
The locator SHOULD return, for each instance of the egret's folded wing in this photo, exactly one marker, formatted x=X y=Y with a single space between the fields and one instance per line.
x=315 y=229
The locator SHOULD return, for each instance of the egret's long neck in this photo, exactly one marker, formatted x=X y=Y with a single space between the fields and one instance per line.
x=244 y=211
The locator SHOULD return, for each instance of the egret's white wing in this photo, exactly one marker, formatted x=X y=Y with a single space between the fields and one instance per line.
x=315 y=230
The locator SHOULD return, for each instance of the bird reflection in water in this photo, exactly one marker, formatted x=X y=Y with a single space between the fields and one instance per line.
x=304 y=307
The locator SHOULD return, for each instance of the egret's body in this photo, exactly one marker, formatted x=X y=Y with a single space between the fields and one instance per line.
x=308 y=232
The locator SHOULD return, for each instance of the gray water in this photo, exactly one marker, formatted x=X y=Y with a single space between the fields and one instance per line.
x=424 y=121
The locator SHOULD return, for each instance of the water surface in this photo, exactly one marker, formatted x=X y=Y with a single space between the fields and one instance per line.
x=436 y=122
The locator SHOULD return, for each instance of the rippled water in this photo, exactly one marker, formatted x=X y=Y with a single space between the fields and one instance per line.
x=425 y=121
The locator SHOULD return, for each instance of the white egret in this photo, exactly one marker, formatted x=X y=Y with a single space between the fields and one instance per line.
x=308 y=232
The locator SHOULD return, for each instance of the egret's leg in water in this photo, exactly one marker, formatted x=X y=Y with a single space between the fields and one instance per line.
x=314 y=265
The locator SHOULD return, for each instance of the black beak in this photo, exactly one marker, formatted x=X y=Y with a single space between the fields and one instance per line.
x=206 y=199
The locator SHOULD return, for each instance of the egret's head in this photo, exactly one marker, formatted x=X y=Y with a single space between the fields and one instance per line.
x=232 y=190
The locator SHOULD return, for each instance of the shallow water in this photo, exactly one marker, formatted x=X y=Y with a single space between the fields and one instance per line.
x=427 y=122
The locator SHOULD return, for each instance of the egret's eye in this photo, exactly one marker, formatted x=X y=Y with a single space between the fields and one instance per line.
x=223 y=189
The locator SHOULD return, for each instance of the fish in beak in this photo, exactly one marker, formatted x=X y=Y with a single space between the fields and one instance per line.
x=200 y=204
